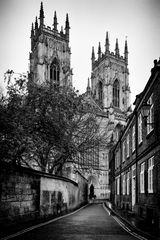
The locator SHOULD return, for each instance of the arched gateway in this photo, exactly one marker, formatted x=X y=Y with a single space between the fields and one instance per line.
x=93 y=185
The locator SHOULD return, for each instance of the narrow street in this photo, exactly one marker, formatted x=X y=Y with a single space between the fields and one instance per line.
x=90 y=223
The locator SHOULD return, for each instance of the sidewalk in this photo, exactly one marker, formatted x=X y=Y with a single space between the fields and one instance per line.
x=135 y=223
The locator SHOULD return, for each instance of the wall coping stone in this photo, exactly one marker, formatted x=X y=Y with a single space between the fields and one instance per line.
x=30 y=171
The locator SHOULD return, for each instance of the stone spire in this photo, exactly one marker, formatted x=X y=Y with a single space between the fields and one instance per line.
x=99 y=51
x=61 y=30
x=32 y=36
x=41 y=15
x=93 y=55
x=36 y=25
x=126 y=51
x=32 y=31
x=55 y=23
x=88 y=87
x=67 y=27
x=107 y=43
x=117 y=48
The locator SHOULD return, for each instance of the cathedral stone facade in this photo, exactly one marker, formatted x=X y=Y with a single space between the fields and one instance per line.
x=108 y=90
x=50 y=53
x=110 y=80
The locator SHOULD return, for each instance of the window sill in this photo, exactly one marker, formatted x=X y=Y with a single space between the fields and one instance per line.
x=140 y=144
x=149 y=134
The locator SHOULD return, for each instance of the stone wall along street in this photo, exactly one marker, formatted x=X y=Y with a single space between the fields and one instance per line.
x=29 y=194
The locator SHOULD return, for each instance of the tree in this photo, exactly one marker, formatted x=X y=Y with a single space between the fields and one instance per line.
x=45 y=127
x=12 y=136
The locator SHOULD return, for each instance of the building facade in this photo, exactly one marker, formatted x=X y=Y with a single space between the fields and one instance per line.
x=135 y=159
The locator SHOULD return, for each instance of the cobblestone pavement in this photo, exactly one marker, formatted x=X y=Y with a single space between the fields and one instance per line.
x=90 y=223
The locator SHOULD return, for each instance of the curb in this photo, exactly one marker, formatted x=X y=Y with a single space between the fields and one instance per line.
x=41 y=224
x=138 y=232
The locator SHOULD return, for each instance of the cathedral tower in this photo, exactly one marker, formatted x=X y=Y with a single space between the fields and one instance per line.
x=110 y=80
x=50 y=52
x=109 y=89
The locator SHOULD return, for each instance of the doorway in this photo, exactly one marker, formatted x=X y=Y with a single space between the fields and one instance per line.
x=91 y=192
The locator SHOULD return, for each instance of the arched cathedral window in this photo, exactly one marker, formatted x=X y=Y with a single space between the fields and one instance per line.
x=116 y=93
x=54 y=73
x=100 y=92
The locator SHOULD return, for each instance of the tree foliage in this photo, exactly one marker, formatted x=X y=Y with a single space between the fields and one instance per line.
x=44 y=127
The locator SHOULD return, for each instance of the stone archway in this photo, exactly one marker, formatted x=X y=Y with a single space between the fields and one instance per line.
x=91 y=192
x=92 y=179
x=92 y=186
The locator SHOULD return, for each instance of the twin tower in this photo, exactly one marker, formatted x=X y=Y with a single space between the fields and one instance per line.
x=50 y=62
x=50 y=52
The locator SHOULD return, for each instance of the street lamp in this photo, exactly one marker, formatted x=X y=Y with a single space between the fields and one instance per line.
x=145 y=110
x=145 y=113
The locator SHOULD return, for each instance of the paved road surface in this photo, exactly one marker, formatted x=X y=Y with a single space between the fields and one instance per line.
x=90 y=223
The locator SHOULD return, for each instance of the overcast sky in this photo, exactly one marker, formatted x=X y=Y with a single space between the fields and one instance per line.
x=139 y=20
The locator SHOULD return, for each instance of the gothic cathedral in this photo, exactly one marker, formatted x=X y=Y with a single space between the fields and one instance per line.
x=109 y=88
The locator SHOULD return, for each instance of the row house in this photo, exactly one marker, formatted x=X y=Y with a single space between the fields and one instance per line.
x=135 y=159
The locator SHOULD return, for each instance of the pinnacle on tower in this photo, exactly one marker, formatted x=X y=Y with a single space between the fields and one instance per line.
x=32 y=36
x=55 y=23
x=99 y=50
x=88 y=87
x=61 y=30
x=93 y=55
x=36 y=24
x=67 y=21
x=67 y=27
x=32 y=31
x=107 y=43
x=126 y=51
x=41 y=15
x=117 y=48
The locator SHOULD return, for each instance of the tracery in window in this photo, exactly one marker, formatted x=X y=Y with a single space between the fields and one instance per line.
x=100 y=92
x=54 y=73
x=116 y=93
